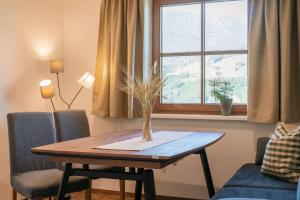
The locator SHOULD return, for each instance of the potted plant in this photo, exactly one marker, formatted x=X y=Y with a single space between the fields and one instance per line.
x=222 y=90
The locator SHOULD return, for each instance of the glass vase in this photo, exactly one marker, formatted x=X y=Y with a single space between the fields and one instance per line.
x=147 y=129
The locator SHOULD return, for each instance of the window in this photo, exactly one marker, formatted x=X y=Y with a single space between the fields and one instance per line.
x=197 y=41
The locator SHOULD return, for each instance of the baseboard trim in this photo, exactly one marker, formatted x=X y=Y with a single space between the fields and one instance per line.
x=130 y=194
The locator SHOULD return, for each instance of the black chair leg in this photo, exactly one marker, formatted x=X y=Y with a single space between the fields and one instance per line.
x=64 y=183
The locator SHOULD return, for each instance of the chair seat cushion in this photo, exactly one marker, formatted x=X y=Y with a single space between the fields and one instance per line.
x=249 y=175
x=44 y=183
x=255 y=193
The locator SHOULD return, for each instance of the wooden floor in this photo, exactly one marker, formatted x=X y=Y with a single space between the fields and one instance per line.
x=97 y=195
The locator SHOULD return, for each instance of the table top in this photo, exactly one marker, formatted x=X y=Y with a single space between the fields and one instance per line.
x=83 y=150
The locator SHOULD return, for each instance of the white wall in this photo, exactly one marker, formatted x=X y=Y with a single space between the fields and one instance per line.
x=31 y=33
x=186 y=179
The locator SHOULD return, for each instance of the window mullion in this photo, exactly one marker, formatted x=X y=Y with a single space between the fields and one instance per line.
x=170 y=54
x=224 y=52
x=202 y=50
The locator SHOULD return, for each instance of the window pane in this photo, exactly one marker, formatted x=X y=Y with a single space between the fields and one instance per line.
x=183 y=79
x=226 y=25
x=227 y=67
x=181 y=28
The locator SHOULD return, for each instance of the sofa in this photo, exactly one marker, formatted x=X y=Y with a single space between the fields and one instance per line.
x=249 y=183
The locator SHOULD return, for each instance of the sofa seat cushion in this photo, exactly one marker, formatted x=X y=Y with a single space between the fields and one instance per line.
x=249 y=175
x=241 y=199
x=45 y=183
x=255 y=193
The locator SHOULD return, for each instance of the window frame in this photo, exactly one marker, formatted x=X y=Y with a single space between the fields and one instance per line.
x=202 y=108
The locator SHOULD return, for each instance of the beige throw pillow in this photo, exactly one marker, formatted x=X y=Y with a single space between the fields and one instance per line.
x=282 y=156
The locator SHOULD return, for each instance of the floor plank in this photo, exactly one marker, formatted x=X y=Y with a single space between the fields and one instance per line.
x=99 y=196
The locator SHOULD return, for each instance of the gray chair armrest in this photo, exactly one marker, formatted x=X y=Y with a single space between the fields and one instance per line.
x=298 y=190
x=260 y=149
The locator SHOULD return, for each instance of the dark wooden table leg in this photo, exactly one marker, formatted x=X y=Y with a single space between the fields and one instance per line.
x=149 y=185
x=138 y=187
x=64 y=183
x=207 y=174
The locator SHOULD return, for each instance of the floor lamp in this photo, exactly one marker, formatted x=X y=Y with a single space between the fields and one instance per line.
x=56 y=67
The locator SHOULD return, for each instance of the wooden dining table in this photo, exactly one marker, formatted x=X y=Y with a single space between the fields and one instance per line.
x=141 y=163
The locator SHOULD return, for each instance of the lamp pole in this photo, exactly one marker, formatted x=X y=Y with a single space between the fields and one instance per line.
x=52 y=104
x=57 y=66
x=75 y=97
x=59 y=91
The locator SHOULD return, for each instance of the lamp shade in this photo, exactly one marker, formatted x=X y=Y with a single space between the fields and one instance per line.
x=56 y=66
x=47 y=89
x=87 y=80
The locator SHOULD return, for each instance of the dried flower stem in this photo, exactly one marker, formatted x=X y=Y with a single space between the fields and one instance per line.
x=146 y=92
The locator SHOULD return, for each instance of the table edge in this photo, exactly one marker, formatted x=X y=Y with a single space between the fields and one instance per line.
x=38 y=151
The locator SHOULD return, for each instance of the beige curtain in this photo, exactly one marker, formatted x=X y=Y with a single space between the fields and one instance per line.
x=274 y=61
x=120 y=45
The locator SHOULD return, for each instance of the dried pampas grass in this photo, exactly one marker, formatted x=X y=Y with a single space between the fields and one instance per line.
x=146 y=92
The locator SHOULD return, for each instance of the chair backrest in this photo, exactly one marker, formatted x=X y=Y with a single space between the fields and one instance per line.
x=28 y=130
x=261 y=149
x=71 y=124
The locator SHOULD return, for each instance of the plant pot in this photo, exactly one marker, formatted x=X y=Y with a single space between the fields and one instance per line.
x=226 y=107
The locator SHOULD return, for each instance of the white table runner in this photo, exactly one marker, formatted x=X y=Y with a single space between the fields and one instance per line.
x=136 y=143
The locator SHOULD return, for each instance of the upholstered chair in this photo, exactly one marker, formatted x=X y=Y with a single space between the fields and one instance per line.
x=34 y=176
x=73 y=124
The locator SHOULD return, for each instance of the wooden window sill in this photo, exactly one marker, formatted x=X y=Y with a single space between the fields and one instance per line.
x=199 y=117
